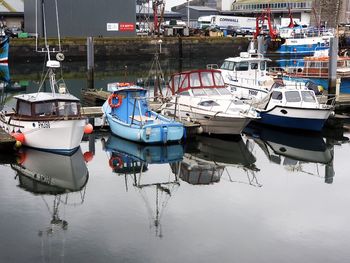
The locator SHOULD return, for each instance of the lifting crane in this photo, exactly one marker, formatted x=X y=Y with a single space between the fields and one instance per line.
x=7 y=6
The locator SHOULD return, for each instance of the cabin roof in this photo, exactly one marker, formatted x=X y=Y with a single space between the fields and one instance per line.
x=45 y=96
x=248 y=59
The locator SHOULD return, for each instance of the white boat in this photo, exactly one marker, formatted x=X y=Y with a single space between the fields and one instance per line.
x=293 y=105
x=50 y=120
x=247 y=75
x=201 y=96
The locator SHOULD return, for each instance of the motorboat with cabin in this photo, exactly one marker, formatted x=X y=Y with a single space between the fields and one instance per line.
x=129 y=116
x=293 y=105
x=201 y=96
x=247 y=76
x=49 y=121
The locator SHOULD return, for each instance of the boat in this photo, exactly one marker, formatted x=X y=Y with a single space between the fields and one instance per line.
x=207 y=159
x=295 y=151
x=51 y=173
x=201 y=96
x=128 y=156
x=315 y=68
x=47 y=120
x=247 y=76
x=132 y=160
x=300 y=41
x=129 y=116
x=293 y=105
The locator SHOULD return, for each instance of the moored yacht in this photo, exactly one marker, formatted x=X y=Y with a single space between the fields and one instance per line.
x=201 y=96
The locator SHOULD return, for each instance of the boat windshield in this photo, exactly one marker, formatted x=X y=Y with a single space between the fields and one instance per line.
x=308 y=96
x=24 y=108
x=45 y=108
x=66 y=108
x=292 y=96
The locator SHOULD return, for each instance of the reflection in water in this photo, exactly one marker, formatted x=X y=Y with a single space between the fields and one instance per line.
x=206 y=159
x=130 y=158
x=56 y=177
x=293 y=150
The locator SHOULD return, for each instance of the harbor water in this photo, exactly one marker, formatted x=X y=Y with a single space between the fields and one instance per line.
x=267 y=196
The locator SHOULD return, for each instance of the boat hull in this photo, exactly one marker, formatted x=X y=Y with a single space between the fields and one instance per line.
x=60 y=136
x=148 y=133
x=296 y=118
x=4 y=49
x=214 y=123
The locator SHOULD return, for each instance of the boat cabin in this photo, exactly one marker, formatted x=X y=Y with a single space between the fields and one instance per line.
x=291 y=96
x=245 y=62
x=47 y=105
x=130 y=104
x=205 y=82
x=318 y=66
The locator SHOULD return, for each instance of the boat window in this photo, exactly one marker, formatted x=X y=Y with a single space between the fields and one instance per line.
x=348 y=63
x=277 y=95
x=207 y=79
x=194 y=80
x=133 y=95
x=254 y=65
x=225 y=65
x=242 y=66
x=308 y=96
x=219 y=81
x=24 y=108
x=185 y=93
x=208 y=103
x=231 y=66
x=212 y=92
x=293 y=96
x=67 y=108
x=224 y=91
x=198 y=92
x=46 y=108
x=178 y=81
x=262 y=65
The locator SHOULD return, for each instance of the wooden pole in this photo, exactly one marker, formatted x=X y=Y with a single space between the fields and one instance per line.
x=90 y=62
x=332 y=68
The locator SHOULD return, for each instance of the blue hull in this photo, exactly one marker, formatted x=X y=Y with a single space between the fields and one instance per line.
x=4 y=49
x=299 y=50
x=148 y=133
x=294 y=123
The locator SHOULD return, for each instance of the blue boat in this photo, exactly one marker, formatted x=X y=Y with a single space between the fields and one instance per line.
x=129 y=116
x=130 y=157
x=4 y=48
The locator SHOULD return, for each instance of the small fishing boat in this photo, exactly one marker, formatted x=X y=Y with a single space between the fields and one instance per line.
x=201 y=96
x=129 y=116
x=247 y=75
x=293 y=105
x=49 y=121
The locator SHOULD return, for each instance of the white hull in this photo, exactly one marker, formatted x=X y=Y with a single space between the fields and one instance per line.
x=58 y=136
x=212 y=122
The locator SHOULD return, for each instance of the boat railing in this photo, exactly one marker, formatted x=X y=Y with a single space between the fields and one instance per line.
x=298 y=71
x=245 y=80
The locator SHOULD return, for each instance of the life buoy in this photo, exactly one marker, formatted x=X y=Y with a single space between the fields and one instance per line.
x=124 y=84
x=114 y=96
x=119 y=162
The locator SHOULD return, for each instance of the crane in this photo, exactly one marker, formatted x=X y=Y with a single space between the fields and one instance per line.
x=7 y=6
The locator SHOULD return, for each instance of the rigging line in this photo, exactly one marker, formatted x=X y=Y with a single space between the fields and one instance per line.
x=58 y=28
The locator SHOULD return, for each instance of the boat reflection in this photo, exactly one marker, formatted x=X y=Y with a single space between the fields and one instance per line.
x=294 y=150
x=207 y=158
x=133 y=159
x=58 y=179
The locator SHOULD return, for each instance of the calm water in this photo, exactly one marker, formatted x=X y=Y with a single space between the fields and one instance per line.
x=268 y=196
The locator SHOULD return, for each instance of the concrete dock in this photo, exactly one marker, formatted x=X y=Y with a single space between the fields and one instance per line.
x=7 y=142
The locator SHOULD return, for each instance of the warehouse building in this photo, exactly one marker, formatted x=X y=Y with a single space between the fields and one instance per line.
x=82 y=18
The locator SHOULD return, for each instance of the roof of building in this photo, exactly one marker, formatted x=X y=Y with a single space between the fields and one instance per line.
x=266 y=1
x=202 y=8
x=11 y=6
